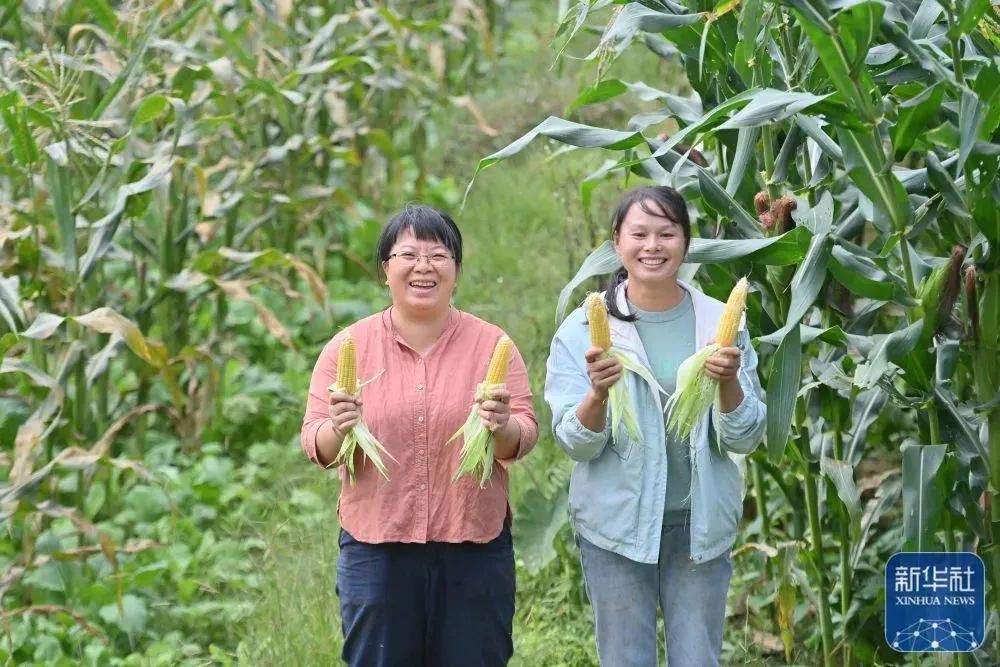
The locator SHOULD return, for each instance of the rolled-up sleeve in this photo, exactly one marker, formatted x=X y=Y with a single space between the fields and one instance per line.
x=741 y=430
x=521 y=407
x=317 y=413
x=566 y=383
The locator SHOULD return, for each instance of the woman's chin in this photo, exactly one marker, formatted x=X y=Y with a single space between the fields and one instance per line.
x=426 y=302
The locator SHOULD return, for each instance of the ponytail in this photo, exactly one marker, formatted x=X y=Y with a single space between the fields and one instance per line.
x=611 y=296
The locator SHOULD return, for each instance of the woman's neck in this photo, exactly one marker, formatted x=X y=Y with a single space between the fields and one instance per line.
x=655 y=297
x=419 y=329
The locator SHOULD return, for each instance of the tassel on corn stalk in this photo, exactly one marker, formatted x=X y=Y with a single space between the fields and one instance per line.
x=476 y=457
x=359 y=435
x=622 y=411
x=696 y=390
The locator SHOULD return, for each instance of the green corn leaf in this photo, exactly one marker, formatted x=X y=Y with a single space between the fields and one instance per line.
x=914 y=114
x=746 y=144
x=970 y=120
x=863 y=277
x=922 y=500
x=885 y=498
x=945 y=185
x=123 y=77
x=841 y=473
x=782 y=388
x=600 y=92
x=567 y=132
x=771 y=106
x=15 y=117
x=10 y=303
x=822 y=33
x=60 y=190
x=809 y=278
x=103 y=231
x=539 y=520
x=724 y=204
x=635 y=18
x=886 y=349
x=866 y=165
x=813 y=130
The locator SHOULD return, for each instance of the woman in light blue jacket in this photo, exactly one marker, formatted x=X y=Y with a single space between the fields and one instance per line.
x=655 y=519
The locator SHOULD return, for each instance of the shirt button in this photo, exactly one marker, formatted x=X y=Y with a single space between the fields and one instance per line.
x=420 y=451
x=423 y=487
x=420 y=419
x=420 y=387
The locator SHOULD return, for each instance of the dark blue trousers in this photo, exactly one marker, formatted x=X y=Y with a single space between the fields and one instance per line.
x=426 y=605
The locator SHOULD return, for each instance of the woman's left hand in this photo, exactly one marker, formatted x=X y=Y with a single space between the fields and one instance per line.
x=724 y=365
x=495 y=410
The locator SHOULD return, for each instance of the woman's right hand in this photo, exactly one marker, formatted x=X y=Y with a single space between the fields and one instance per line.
x=345 y=412
x=602 y=372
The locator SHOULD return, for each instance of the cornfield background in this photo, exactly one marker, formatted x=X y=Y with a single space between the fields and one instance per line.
x=189 y=196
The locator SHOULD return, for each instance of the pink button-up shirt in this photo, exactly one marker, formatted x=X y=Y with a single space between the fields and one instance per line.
x=413 y=408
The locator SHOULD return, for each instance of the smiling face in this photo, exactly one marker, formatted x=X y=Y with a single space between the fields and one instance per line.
x=425 y=286
x=650 y=244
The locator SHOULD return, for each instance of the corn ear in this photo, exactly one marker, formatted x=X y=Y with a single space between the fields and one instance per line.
x=729 y=325
x=477 y=453
x=497 y=372
x=597 y=319
x=359 y=435
x=347 y=366
x=696 y=391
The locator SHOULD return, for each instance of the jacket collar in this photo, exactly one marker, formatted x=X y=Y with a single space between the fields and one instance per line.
x=706 y=315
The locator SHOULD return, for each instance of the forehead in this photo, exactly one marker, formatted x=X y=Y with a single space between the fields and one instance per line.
x=637 y=217
x=407 y=237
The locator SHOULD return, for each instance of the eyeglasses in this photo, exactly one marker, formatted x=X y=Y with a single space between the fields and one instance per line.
x=411 y=258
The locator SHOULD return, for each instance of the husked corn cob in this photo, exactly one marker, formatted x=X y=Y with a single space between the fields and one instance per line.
x=347 y=366
x=497 y=373
x=359 y=436
x=729 y=325
x=597 y=318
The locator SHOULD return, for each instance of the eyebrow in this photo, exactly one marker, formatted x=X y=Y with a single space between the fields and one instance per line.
x=408 y=246
x=669 y=223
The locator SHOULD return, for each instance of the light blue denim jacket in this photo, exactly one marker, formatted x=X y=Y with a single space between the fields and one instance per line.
x=618 y=489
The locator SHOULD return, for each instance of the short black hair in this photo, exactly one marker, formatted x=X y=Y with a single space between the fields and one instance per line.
x=428 y=224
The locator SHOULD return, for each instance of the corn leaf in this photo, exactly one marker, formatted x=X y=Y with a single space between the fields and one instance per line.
x=922 y=499
x=106 y=320
x=45 y=325
x=841 y=473
x=539 y=520
x=10 y=303
x=724 y=204
x=746 y=143
x=782 y=389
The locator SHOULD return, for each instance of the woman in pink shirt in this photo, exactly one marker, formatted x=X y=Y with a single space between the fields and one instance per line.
x=426 y=568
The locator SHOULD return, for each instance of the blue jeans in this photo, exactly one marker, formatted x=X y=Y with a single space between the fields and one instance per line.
x=424 y=605
x=624 y=595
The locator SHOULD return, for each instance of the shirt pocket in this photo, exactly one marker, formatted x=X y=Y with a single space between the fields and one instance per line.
x=622 y=445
